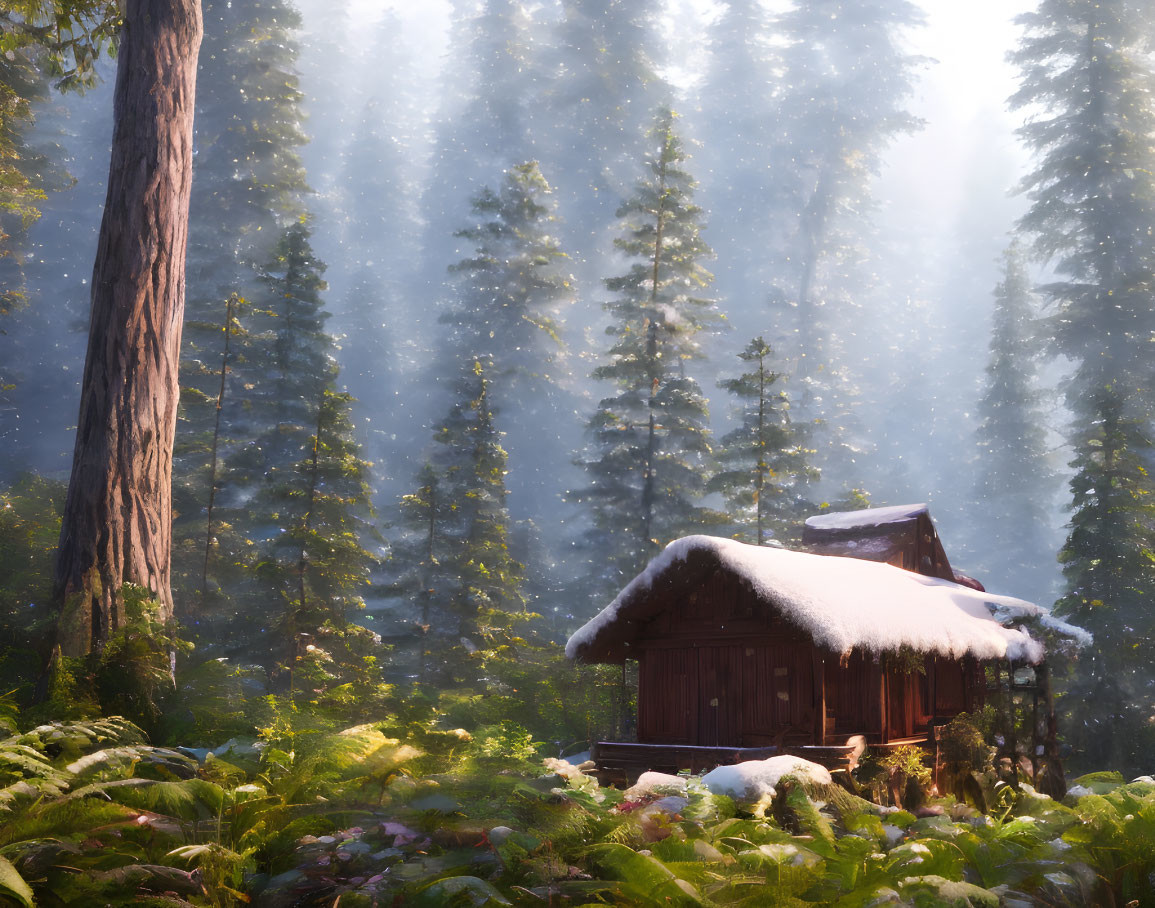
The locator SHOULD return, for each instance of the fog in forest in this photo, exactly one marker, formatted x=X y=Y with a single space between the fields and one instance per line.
x=523 y=341
x=391 y=120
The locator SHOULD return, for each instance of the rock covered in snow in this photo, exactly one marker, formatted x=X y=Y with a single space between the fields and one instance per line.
x=655 y=783
x=755 y=780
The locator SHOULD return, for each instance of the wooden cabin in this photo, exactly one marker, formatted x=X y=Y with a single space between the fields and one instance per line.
x=743 y=651
x=903 y=536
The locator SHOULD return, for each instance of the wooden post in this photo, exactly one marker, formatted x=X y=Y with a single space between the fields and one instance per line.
x=1035 y=731
x=882 y=711
x=1012 y=740
x=819 y=699
x=932 y=691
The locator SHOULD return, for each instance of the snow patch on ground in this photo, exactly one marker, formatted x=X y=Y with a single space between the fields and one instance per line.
x=755 y=780
x=655 y=783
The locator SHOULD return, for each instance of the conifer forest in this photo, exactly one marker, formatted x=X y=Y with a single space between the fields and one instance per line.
x=354 y=354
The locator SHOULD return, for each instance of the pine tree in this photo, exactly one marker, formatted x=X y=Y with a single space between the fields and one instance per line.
x=21 y=85
x=475 y=470
x=249 y=180
x=475 y=590
x=1016 y=479
x=421 y=564
x=281 y=368
x=249 y=183
x=248 y=189
x=318 y=564
x=1109 y=575
x=651 y=442
x=1086 y=69
x=763 y=464
x=511 y=292
x=284 y=367
x=201 y=569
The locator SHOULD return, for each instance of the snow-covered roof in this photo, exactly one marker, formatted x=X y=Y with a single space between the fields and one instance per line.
x=869 y=517
x=848 y=603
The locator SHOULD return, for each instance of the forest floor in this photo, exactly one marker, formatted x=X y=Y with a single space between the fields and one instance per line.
x=90 y=813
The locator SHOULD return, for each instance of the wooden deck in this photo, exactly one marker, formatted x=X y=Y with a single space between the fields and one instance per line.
x=620 y=762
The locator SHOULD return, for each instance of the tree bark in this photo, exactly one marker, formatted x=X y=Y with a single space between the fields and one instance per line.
x=117 y=525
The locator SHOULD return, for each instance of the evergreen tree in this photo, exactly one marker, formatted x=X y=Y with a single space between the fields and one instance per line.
x=846 y=79
x=602 y=80
x=763 y=464
x=651 y=441
x=249 y=180
x=200 y=535
x=284 y=367
x=485 y=123
x=281 y=367
x=1110 y=575
x=466 y=588
x=511 y=293
x=474 y=466
x=318 y=564
x=248 y=190
x=1016 y=478
x=421 y=564
x=1087 y=71
x=21 y=84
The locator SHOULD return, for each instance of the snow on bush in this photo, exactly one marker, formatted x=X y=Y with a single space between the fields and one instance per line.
x=755 y=780
x=655 y=783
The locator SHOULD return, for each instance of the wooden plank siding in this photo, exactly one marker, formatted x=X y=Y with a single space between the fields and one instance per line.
x=717 y=668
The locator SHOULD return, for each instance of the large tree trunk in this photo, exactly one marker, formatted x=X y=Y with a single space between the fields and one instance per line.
x=118 y=517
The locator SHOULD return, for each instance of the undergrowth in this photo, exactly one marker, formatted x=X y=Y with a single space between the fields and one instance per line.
x=91 y=813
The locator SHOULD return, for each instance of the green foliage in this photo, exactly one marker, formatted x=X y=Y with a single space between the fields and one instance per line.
x=763 y=463
x=133 y=672
x=512 y=290
x=40 y=42
x=462 y=584
x=92 y=814
x=1016 y=475
x=249 y=236
x=650 y=442
x=72 y=34
x=1108 y=568
x=29 y=529
x=1087 y=79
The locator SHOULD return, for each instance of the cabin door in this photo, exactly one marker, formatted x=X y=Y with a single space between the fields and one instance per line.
x=720 y=696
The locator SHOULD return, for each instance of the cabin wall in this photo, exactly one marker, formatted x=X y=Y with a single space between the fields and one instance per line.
x=714 y=669
x=854 y=703
x=750 y=695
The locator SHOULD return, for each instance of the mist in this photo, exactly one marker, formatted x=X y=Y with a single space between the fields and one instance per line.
x=394 y=120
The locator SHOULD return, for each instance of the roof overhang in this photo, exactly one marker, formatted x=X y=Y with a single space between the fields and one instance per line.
x=842 y=603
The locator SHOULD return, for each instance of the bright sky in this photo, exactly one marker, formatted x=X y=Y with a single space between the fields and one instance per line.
x=963 y=95
x=969 y=135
